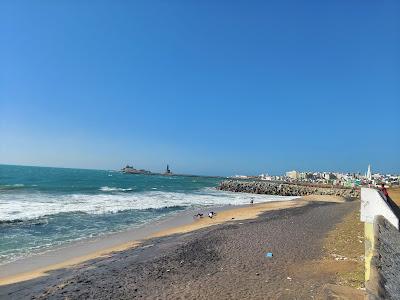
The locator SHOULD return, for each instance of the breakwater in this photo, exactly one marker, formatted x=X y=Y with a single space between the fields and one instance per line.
x=285 y=189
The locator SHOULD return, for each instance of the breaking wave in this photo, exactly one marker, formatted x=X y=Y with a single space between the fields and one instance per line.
x=11 y=186
x=114 y=189
x=25 y=206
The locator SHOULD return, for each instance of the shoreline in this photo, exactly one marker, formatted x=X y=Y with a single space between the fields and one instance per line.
x=83 y=251
x=79 y=251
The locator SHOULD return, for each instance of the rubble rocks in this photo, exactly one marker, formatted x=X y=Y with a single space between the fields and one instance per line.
x=285 y=189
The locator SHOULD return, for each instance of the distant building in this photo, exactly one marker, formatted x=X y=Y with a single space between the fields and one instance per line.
x=305 y=176
x=265 y=177
x=240 y=176
x=329 y=176
x=293 y=174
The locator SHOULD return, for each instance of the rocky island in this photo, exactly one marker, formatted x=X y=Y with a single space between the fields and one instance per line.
x=131 y=170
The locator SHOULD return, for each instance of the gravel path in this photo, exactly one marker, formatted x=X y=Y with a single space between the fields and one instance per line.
x=221 y=262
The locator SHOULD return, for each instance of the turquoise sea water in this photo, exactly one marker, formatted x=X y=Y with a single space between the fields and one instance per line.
x=45 y=207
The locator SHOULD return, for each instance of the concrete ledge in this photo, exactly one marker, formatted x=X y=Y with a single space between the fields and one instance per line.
x=373 y=204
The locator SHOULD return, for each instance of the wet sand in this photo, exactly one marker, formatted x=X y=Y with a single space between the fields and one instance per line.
x=225 y=261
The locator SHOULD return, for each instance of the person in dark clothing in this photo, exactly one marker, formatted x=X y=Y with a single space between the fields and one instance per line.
x=199 y=215
x=384 y=190
x=211 y=214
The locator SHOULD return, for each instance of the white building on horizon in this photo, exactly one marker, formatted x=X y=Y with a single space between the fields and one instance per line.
x=369 y=174
x=265 y=177
x=293 y=174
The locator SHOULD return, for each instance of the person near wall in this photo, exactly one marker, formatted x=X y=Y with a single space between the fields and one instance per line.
x=384 y=191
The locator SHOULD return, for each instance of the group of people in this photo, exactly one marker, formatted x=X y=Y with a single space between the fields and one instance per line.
x=211 y=214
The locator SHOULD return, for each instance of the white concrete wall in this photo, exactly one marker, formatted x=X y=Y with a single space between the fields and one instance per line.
x=373 y=204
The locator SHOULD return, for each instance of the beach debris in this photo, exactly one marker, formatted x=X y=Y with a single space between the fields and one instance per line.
x=168 y=270
x=269 y=254
x=232 y=218
x=339 y=257
x=257 y=274
x=289 y=278
x=147 y=246
x=182 y=261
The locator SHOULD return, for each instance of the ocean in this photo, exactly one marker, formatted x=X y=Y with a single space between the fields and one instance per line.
x=41 y=207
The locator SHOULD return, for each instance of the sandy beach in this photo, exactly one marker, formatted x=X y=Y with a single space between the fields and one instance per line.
x=180 y=259
x=394 y=193
x=81 y=251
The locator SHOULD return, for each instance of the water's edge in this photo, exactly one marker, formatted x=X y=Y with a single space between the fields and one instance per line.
x=59 y=254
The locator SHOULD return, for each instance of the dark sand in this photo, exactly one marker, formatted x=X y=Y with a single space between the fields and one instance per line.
x=92 y=247
x=220 y=262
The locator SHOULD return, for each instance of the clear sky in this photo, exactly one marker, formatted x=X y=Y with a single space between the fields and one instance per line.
x=210 y=87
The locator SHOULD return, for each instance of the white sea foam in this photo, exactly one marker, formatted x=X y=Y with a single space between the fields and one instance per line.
x=34 y=205
x=10 y=186
x=114 y=189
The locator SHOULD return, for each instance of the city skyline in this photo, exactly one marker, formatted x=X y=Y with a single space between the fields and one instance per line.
x=261 y=173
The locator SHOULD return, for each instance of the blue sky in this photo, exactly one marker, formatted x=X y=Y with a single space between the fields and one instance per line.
x=210 y=87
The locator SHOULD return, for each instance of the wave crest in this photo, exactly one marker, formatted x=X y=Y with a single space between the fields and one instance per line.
x=35 y=205
x=11 y=186
x=114 y=189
